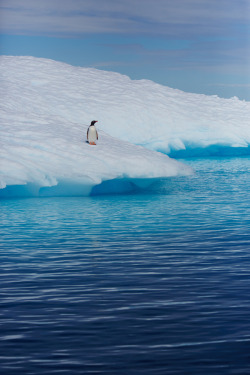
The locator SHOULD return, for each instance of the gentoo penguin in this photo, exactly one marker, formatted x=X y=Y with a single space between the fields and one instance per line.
x=92 y=134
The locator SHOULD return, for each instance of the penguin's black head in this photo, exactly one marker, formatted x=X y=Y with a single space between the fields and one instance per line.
x=93 y=122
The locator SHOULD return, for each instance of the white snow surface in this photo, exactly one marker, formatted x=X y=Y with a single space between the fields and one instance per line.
x=46 y=108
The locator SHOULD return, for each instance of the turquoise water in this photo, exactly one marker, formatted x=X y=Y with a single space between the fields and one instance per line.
x=156 y=282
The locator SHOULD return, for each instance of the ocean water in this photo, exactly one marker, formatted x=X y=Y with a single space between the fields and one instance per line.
x=153 y=283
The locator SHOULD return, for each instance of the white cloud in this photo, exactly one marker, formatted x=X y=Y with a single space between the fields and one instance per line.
x=164 y=17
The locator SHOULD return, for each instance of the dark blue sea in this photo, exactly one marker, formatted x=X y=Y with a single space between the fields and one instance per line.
x=155 y=282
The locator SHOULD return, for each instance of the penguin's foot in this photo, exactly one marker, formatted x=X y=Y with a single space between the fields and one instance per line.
x=92 y=143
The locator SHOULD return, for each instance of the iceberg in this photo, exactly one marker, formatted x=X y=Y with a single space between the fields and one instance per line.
x=141 y=112
x=43 y=149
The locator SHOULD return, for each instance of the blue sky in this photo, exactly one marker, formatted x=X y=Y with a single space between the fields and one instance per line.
x=200 y=46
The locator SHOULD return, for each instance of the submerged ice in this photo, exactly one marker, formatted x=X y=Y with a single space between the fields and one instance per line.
x=48 y=105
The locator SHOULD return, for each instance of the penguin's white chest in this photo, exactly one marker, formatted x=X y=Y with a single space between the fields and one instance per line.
x=92 y=136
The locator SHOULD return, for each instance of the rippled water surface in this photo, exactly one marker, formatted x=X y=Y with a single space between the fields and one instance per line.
x=150 y=283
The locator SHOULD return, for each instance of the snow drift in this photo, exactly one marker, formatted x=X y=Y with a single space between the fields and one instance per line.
x=43 y=150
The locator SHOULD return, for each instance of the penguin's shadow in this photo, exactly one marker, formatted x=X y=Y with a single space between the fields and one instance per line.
x=88 y=142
